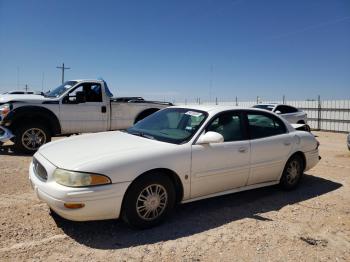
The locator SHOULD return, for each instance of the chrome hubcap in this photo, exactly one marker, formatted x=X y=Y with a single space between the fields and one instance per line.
x=33 y=138
x=151 y=202
x=293 y=171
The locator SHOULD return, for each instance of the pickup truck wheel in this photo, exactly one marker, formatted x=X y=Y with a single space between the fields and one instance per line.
x=292 y=173
x=29 y=137
x=148 y=201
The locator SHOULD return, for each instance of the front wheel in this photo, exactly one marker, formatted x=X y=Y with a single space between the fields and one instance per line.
x=148 y=201
x=292 y=172
x=29 y=137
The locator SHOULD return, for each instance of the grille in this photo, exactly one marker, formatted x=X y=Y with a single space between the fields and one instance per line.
x=39 y=170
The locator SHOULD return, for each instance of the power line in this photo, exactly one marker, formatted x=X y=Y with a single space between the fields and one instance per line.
x=62 y=68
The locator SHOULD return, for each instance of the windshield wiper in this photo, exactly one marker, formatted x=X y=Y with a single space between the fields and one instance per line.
x=141 y=134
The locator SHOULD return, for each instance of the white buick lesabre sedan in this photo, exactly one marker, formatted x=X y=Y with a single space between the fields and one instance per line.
x=177 y=155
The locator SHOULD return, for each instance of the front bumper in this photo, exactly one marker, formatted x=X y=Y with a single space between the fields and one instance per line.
x=101 y=202
x=5 y=134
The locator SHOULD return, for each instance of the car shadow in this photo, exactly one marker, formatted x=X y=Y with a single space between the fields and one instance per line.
x=9 y=151
x=196 y=217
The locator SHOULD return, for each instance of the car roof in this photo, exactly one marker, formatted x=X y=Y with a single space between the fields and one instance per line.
x=86 y=80
x=213 y=109
x=272 y=104
x=267 y=104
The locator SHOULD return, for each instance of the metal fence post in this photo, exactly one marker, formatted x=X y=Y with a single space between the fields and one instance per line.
x=236 y=101
x=284 y=99
x=319 y=108
x=216 y=100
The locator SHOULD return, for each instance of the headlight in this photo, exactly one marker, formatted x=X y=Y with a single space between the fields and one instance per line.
x=5 y=109
x=78 y=179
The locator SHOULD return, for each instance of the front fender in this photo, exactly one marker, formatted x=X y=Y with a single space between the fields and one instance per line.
x=32 y=113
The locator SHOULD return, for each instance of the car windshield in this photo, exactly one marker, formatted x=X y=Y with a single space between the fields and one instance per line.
x=58 y=91
x=171 y=125
x=266 y=107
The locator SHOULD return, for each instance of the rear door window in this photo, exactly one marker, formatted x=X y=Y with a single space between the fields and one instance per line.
x=261 y=125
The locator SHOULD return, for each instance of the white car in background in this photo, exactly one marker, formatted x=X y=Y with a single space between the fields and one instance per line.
x=176 y=155
x=291 y=114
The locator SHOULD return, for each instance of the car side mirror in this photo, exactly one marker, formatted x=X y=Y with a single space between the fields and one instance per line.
x=210 y=138
x=80 y=97
x=278 y=112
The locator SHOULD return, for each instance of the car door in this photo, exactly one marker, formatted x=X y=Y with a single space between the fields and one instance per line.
x=88 y=116
x=270 y=145
x=221 y=166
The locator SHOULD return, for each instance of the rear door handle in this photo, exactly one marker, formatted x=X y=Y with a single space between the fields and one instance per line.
x=242 y=149
x=103 y=109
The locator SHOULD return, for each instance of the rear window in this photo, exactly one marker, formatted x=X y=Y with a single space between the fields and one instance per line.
x=286 y=109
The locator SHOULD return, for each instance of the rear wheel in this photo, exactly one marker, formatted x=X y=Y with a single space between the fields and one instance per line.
x=148 y=201
x=29 y=137
x=292 y=172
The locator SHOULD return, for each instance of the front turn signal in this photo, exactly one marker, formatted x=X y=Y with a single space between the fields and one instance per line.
x=74 y=205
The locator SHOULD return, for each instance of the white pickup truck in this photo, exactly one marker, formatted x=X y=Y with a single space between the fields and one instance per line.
x=77 y=106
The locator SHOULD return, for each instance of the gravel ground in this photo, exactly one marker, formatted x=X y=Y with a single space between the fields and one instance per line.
x=311 y=223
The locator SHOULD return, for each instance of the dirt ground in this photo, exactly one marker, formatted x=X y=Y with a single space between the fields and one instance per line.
x=311 y=223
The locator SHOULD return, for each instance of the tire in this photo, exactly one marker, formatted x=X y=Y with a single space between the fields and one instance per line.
x=307 y=128
x=292 y=172
x=29 y=137
x=143 y=210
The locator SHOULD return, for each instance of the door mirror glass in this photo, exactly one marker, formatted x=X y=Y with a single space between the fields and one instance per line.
x=210 y=138
x=80 y=97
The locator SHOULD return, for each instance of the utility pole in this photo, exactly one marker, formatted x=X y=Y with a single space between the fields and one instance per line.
x=62 y=68
x=26 y=88
x=17 y=77
x=42 y=82
x=211 y=81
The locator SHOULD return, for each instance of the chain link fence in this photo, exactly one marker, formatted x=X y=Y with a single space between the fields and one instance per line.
x=325 y=115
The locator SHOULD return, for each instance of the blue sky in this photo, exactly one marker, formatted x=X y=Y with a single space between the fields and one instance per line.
x=181 y=49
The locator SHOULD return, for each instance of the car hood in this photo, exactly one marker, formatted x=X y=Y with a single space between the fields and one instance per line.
x=78 y=152
x=21 y=98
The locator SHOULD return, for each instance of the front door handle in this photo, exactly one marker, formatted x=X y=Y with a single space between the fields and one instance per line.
x=242 y=149
x=103 y=109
